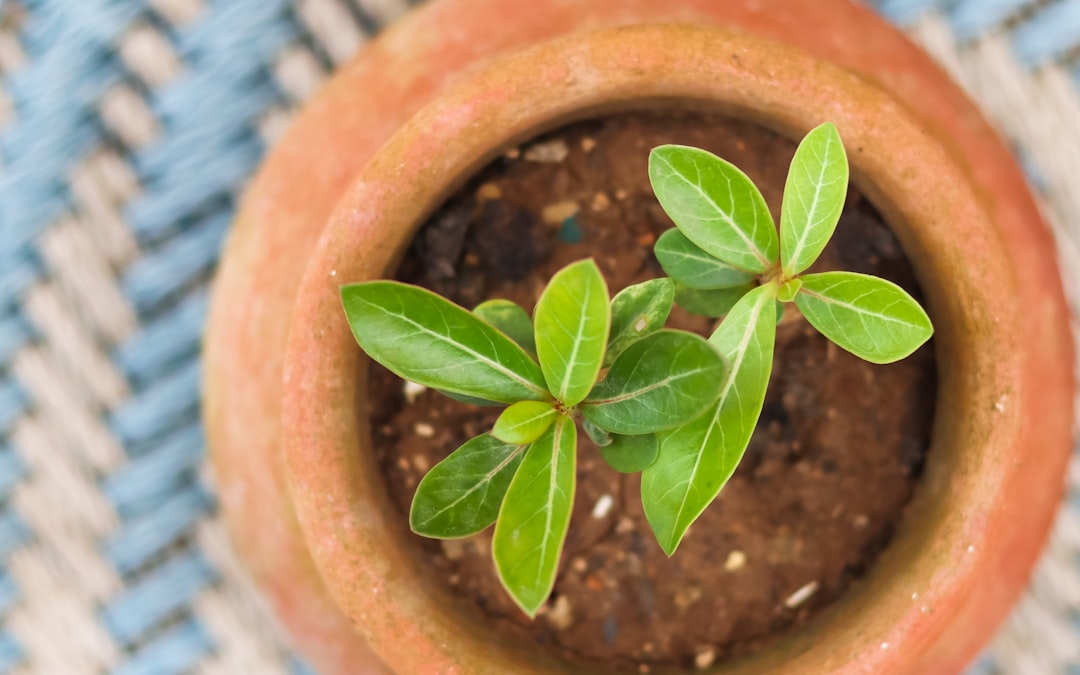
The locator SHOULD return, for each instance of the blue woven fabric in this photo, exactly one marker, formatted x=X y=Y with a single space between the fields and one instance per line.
x=188 y=176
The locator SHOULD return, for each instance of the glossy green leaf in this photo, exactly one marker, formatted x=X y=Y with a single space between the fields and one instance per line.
x=637 y=311
x=686 y=262
x=659 y=382
x=573 y=318
x=424 y=338
x=713 y=303
x=870 y=317
x=715 y=205
x=524 y=422
x=511 y=319
x=697 y=459
x=630 y=454
x=597 y=435
x=814 y=196
x=461 y=495
x=534 y=517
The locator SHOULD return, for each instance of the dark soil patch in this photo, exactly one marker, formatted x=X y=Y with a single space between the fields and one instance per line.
x=833 y=462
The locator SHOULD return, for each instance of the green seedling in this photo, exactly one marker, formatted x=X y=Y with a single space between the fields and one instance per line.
x=672 y=405
x=728 y=261
x=581 y=358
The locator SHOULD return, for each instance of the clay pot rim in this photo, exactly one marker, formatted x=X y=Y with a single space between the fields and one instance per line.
x=335 y=491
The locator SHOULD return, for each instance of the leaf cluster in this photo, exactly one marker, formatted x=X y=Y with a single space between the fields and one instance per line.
x=582 y=356
x=729 y=260
x=670 y=404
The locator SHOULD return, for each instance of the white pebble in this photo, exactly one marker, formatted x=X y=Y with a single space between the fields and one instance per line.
x=412 y=391
x=802 y=595
x=603 y=507
x=705 y=658
x=424 y=430
x=736 y=560
x=549 y=152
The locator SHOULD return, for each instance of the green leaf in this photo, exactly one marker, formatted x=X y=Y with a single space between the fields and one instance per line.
x=713 y=303
x=872 y=318
x=573 y=318
x=814 y=196
x=630 y=454
x=697 y=459
x=685 y=262
x=535 y=514
x=461 y=495
x=788 y=290
x=524 y=422
x=659 y=382
x=511 y=319
x=421 y=337
x=715 y=205
x=597 y=435
x=637 y=311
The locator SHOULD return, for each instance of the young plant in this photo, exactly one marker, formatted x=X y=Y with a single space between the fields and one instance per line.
x=606 y=363
x=727 y=260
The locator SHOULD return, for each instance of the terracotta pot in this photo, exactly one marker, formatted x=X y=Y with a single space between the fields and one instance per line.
x=940 y=177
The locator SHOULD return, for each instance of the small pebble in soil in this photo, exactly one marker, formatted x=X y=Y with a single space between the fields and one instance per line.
x=687 y=596
x=424 y=430
x=600 y=202
x=860 y=521
x=512 y=153
x=704 y=657
x=736 y=560
x=588 y=144
x=800 y=596
x=624 y=526
x=421 y=463
x=453 y=549
x=548 y=152
x=412 y=391
x=555 y=214
x=579 y=565
x=621 y=194
x=488 y=192
x=603 y=507
x=560 y=615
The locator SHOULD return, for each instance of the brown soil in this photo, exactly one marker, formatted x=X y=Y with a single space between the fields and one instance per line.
x=827 y=475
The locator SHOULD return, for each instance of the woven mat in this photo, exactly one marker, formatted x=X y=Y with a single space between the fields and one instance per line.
x=126 y=129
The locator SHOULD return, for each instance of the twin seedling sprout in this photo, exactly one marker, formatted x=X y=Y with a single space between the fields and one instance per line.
x=676 y=407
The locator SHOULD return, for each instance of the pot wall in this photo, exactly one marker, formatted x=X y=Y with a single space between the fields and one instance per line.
x=293 y=196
